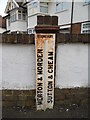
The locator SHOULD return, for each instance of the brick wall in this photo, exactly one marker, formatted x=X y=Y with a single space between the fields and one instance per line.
x=2 y=22
x=76 y=28
x=18 y=98
x=30 y=39
x=26 y=98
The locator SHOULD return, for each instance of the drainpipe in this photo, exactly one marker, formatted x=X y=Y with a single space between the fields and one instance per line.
x=72 y=16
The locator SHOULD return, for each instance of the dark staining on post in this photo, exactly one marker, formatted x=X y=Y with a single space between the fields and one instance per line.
x=45 y=36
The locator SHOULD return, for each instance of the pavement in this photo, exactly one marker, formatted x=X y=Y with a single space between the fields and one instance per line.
x=71 y=111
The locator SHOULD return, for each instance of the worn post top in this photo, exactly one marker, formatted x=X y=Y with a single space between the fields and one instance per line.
x=47 y=24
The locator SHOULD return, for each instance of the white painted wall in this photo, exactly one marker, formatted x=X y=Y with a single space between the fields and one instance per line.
x=72 y=65
x=32 y=21
x=64 y=17
x=51 y=8
x=80 y=13
x=18 y=66
x=19 y=25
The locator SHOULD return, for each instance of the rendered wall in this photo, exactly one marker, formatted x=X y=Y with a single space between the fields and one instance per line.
x=18 y=66
x=72 y=65
x=18 y=26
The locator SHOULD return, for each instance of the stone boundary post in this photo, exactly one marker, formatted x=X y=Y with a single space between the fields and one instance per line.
x=45 y=38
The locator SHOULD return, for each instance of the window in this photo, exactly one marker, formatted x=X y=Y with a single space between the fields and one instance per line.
x=32 y=8
x=13 y=17
x=34 y=31
x=19 y=15
x=64 y=5
x=24 y=16
x=60 y=6
x=44 y=7
x=35 y=4
x=86 y=32
x=87 y=1
x=86 y=25
x=31 y=31
x=85 y=28
x=8 y=22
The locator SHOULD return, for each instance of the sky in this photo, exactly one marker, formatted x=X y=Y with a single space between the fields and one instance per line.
x=2 y=7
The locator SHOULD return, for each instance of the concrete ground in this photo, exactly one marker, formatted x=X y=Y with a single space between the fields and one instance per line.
x=72 y=111
x=69 y=103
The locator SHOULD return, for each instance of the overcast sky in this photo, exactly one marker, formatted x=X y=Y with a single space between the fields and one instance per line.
x=2 y=7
